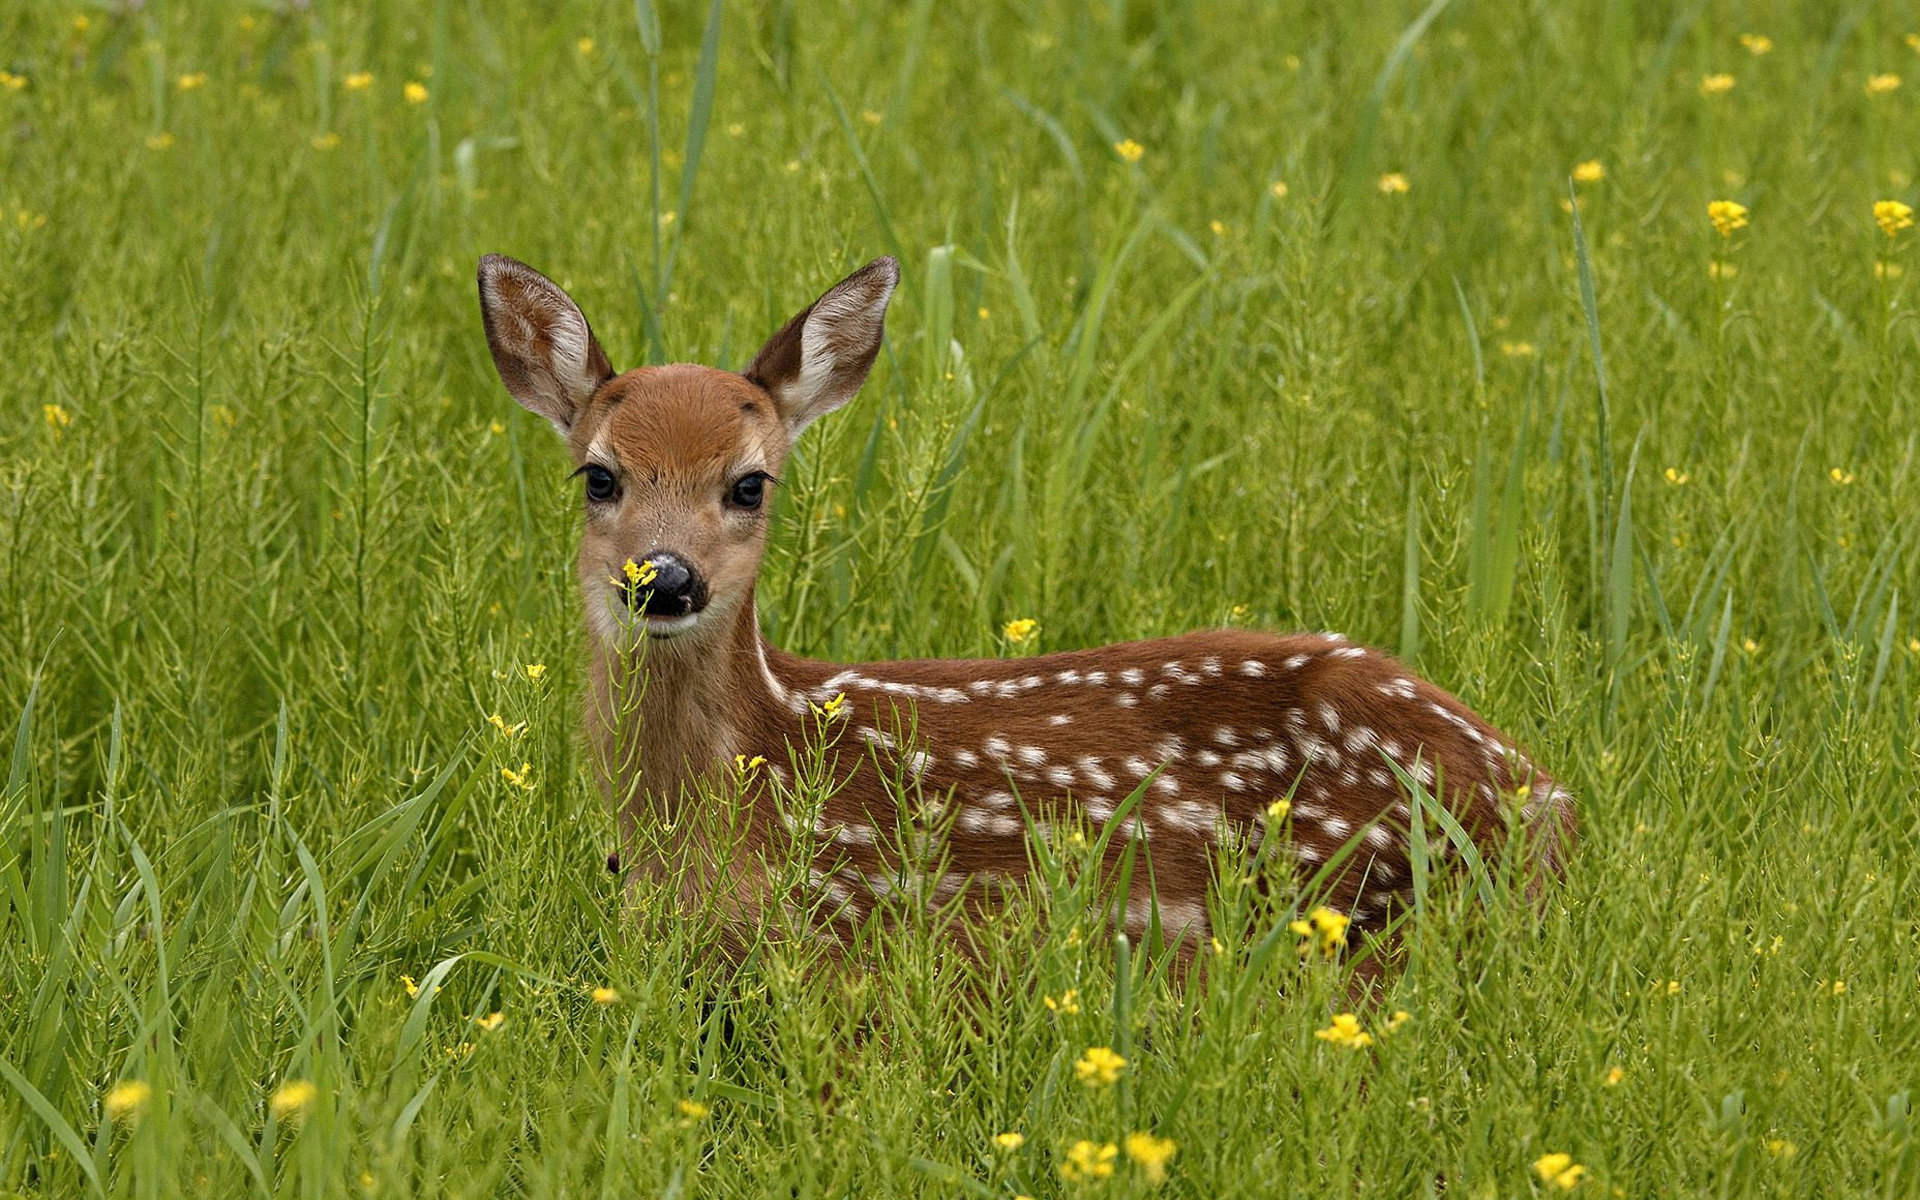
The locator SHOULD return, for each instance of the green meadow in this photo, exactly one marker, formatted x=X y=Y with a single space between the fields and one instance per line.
x=1405 y=320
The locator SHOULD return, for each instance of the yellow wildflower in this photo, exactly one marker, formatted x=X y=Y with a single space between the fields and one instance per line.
x=126 y=1098
x=1881 y=84
x=1676 y=477
x=1840 y=476
x=1673 y=987
x=521 y=778
x=1345 y=1031
x=1151 y=1153
x=1717 y=84
x=1219 y=228
x=12 y=82
x=1518 y=349
x=491 y=1022
x=160 y=141
x=358 y=81
x=1615 y=1075
x=57 y=418
x=1722 y=270
x=1087 y=1161
x=536 y=670
x=1591 y=171
x=692 y=1110
x=641 y=574
x=1727 y=216
x=1323 y=927
x=1559 y=1170
x=1836 y=988
x=505 y=730
x=413 y=989
x=1278 y=810
x=1393 y=183
x=1129 y=150
x=1779 y=1147
x=832 y=709
x=1021 y=630
x=1913 y=42
x=583 y=47
x=1893 y=216
x=325 y=141
x=1068 y=1003
x=605 y=996
x=1887 y=270
x=1278 y=189
x=1099 y=1067
x=192 y=81
x=415 y=92
x=1757 y=43
x=744 y=764
x=1010 y=1141
x=292 y=1099
x=1399 y=1017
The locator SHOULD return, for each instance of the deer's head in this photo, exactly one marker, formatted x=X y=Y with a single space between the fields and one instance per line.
x=675 y=462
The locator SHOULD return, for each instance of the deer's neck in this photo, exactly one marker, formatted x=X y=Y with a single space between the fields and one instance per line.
x=669 y=718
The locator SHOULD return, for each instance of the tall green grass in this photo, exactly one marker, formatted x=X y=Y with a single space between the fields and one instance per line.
x=275 y=546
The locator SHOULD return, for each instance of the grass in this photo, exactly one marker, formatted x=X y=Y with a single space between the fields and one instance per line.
x=276 y=545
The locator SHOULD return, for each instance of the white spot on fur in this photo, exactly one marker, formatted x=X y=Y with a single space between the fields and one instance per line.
x=1297 y=661
x=1126 y=700
x=1133 y=676
x=1060 y=719
x=1090 y=767
x=1232 y=782
x=1060 y=776
x=966 y=758
x=1226 y=737
x=1158 y=691
x=998 y=747
x=1032 y=756
x=1253 y=668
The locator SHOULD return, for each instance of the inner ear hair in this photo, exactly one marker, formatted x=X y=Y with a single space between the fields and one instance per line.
x=541 y=343
x=818 y=360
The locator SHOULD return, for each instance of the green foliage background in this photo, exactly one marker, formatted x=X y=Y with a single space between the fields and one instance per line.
x=274 y=544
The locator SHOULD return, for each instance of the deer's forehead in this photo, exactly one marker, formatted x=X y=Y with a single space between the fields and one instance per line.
x=680 y=421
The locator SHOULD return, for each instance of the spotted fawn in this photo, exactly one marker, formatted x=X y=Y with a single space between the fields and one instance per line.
x=1187 y=740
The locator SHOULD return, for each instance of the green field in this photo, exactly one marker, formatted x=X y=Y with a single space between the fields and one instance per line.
x=1242 y=313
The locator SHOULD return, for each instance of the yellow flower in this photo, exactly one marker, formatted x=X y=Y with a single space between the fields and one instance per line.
x=192 y=81
x=491 y=1022
x=1219 y=228
x=1727 y=216
x=1518 y=349
x=1345 y=1031
x=521 y=778
x=744 y=764
x=1887 y=270
x=1393 y=183
x=536 y=670
x=505 y=730
x=1010 y=1141
x=57 y=418
x=12 y=82
x=1278 y=810
x=359 y=81
x=583 y=47
x=126 y=1098
x=1151 y=1153
x=1779 y=1147
x=292 y=1099
x=1129 y=150
x=325 y=141
x=1893 y=216
x=1840 y=477
x=605 y=996
x=639 y=575
x=1615 y=1075
x=1756 y=43
x=1559 y=1170
x=1716 y=84
x=737 y=129
x=1087 y=1160
x=1068 y=1003
x=413 y=989
x=159 y=141
x=416 y=93
x=1676 y=476
x=1722 y=270
x=1399 y=1017
x=1021 y=630
x=1837 y=988
x=1099 y=1067
x=1324 y=927
x=1591 y=171
x=832 y=709
x=1278 y=189
x=1881 y=84
x=82 y=22
x=1673 y=987
x=1749 y=645
x=871 y=117
x=692 y=1110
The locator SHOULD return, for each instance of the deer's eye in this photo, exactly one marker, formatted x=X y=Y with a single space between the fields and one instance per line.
x=600 y=484
x=749 y=490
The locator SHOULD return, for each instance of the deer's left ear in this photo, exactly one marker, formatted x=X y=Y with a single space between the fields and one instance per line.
x=819 y=359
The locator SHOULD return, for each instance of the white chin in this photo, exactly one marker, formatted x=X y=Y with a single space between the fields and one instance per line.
x=666 y=627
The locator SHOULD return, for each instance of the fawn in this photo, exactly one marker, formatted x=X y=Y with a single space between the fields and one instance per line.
x=675 y=463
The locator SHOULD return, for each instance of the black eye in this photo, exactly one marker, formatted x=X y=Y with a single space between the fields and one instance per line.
x=749 y=490
x=600 y=484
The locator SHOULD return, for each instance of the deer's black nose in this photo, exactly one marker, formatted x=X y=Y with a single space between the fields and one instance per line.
x=674 y=590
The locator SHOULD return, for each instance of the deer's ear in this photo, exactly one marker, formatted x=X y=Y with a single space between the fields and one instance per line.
x=819 y=359
x=542 y=347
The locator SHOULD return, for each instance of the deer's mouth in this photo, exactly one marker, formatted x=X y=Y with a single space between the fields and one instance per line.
x=666 y=627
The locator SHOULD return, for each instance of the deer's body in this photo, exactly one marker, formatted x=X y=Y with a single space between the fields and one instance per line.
x=1218 y=725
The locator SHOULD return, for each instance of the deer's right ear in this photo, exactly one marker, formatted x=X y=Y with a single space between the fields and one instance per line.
x=542 y=346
